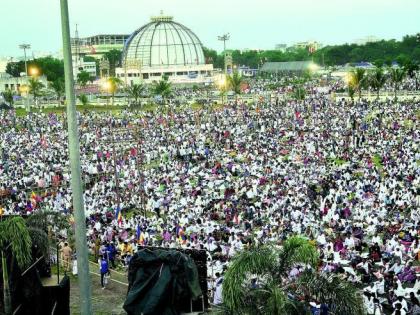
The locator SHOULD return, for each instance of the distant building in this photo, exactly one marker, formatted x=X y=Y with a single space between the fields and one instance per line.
x=281 y=47
x=164 y=48
x=96 y=46
x=80 y=65
x=8 y=82
x=3 y=64
x=366 y=40
x=295 y=67
x=312 y=46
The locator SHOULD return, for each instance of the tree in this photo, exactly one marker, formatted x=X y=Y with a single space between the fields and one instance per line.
x=113 y=84
x=15 y=240
x=358 y=80
x=49 y=66
x=114 y=58
x=274 y=292
x=8 y=95
x=411 y=68
x=58 y=87
x=396 y=75
x=299 y=93
x=377 y=80
x=235 y=82
x=162 y=88
x=83 y=99
x=351 y=92
x=83 y=78
x=136 y=91
x=35 y=87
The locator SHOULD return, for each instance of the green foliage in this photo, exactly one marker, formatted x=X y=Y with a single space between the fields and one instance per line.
x=377 y=79
x=330 y=289
x=51 y=67
x=83 y=99
x=358 y=80
x=351 y=91
x=15 y=234
x=135 y=92
x=15 y=68
x=35 y=87
x=8 y=96
x=162 y=88
x=381 y=52
x=234 y=82
x=83 y=78
x=89 y=59
x=271 y=267
x=299 y=93
x=397 y=75
x=114 y=58
x=58 y=87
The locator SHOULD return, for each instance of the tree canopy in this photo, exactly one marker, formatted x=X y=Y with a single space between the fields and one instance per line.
x=383 y=52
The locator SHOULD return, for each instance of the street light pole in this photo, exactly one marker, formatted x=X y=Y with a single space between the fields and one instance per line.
x=76 y=179
x=24 y=47
x=224 y=38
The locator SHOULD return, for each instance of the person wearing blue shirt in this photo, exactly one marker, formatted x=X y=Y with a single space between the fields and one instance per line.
x=111 y=252
x=104 y=268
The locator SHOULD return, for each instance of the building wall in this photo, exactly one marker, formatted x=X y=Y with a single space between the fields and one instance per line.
x=8 y=82
x=176 y=74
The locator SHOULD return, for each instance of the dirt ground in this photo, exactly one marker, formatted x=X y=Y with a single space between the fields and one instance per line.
x=104 y=302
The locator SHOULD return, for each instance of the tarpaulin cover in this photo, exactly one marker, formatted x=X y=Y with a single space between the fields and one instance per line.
x=159 y=280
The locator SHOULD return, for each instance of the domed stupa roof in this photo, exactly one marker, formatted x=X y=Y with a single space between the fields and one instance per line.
x=163 y=42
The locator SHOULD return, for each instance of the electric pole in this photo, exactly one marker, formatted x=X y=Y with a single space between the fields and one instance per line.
x=76 y=179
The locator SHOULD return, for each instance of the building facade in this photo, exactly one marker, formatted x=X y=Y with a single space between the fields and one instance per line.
x=164 y=48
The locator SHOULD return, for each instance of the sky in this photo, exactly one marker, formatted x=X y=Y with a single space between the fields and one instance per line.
x=254 y=24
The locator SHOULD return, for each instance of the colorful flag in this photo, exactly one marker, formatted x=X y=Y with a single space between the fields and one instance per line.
x=118 y=215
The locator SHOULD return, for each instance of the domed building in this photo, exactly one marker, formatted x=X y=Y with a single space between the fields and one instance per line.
x=161 y=48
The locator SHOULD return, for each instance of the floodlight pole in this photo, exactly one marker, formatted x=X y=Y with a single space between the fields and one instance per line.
x=224 y=38
x=76 y=180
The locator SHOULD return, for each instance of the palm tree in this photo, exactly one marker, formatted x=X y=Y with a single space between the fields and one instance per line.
x=35 y=87
x=162 y=88
x=275 y=293
x=358 y=80
x=411 y=69
x=15 y=240
x=114 y=84
x=397 y=75
x=351 y=91
x=58 y=87
x=8 y=96
x=136 y=91
x=234 y=82
x=377 y=80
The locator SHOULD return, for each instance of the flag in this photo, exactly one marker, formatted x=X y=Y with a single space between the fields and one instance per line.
x=118 y=215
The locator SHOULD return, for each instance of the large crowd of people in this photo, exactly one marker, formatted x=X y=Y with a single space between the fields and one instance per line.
x=342 y=174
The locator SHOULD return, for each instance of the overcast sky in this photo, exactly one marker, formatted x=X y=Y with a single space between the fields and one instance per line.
x=251 y=23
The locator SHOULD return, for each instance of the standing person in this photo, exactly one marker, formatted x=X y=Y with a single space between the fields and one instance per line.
x=104 y=268
x=66 y=252
x=218 y=297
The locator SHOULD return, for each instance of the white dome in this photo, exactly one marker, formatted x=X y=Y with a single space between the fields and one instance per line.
x=163 y=42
